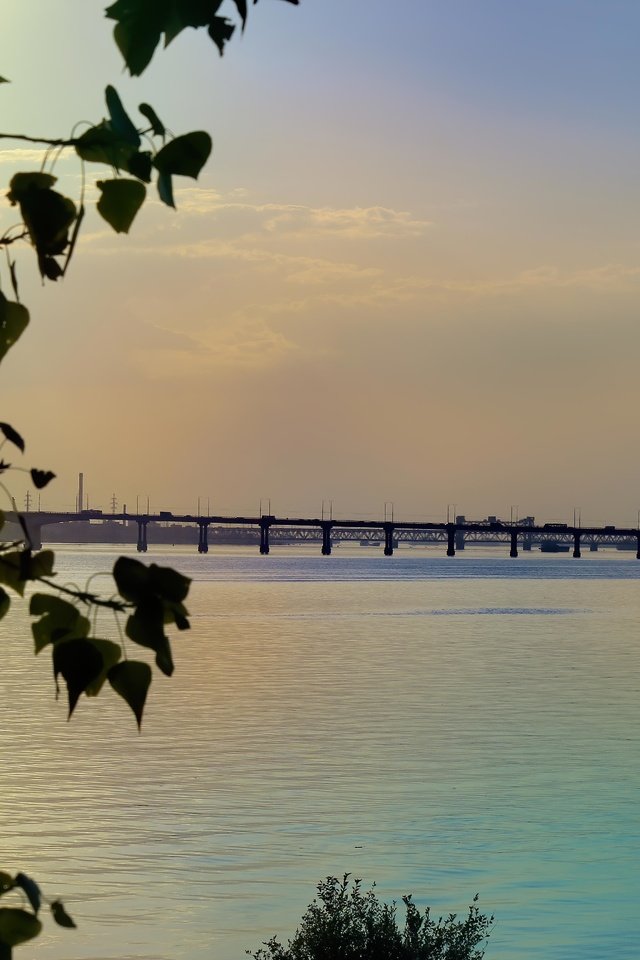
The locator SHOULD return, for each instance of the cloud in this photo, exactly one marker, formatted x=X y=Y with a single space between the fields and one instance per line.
x=297 y=220
x=13 y=155
x=355 y=222
x=167 y=354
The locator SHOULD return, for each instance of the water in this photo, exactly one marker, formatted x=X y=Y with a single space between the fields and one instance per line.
x=441 y=726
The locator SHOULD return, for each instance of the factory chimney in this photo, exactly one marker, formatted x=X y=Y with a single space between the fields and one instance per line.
x=80 y=492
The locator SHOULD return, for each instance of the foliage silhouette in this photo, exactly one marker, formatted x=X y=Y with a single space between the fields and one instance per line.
x=344 y=923
x=152 y=598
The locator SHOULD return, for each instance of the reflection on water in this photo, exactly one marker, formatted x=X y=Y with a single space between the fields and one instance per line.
x=442 y=726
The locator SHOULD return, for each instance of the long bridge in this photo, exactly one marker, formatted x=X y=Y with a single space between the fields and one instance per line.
x=328 y=531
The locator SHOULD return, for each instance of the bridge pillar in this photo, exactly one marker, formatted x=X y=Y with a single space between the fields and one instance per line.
x=142 y=536
x=388 y=539
x=513 y=552
x=203 y=538
x=326 y=538
x=264 y=537
x=576 y=545
x=451 y=539
x=34 y=532
x=460 y=533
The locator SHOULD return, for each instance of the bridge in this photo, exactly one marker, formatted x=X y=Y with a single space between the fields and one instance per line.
x=272 y=529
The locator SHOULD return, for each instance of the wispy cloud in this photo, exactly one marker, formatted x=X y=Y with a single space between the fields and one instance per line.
x=296 y=220
x=170 y=354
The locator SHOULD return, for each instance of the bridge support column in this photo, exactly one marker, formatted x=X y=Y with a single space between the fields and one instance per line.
x=451 y=539
x=326 y=539
x=34 y=531
x=264 y=538
x=388 y=539
x=513 y=552
x=203 y=538
x=142 y=536
x=576 y=545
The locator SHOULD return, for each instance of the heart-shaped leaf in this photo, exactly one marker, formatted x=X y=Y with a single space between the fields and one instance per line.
x=184 y=156
x=131 y=680
x=79 y=663
x=41 y=478
x=120 y=202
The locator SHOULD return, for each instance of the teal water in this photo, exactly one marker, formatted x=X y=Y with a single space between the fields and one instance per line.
x=441 y=726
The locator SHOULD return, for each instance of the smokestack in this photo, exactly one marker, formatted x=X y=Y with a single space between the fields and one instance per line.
x=80 y=492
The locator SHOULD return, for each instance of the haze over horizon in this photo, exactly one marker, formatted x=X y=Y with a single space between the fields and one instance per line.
x=409 y=272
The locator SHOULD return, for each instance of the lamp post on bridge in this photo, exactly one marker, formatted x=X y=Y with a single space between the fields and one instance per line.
x=330 y=509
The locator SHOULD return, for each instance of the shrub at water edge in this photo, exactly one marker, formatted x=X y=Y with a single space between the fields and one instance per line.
x=344 y=923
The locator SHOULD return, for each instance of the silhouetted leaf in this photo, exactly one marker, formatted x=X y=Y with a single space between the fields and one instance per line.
x=156 y=124
x=50 y=268
x=31 y=889
x=47 y=215
x=165 y=189
x=146 y=628
x=120 y=120
x=131 y=680
x=60 y=620
x=41 y=478
x=5 y=603
x=79 y=663
x=120 y=202
x=14 y=319
x=4 y=80
x=101 y=144
x=184 y=156
x=17 y=926
x=141 y=23
x=9 y=433
x=21 y=184
x=137 y=32
x=6 y=882
x=146 y=624
x=14 y=279
x=140 y=166
x=110 y=653
x=187 y=13
x=4 y=466
x=242 y=10
x=40 y=564
x=168 y=583
x=132 y=579
x=220 y=30
x=164 y=659
x=176 y=613
x=11 y=570
x=60 y=915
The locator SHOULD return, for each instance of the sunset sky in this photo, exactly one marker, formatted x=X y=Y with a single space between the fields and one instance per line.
x=410 y=271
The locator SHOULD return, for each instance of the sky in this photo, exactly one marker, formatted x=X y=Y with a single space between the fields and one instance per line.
x=409 y=273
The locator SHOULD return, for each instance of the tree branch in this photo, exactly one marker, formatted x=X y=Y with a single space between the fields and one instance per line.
x=46 y=140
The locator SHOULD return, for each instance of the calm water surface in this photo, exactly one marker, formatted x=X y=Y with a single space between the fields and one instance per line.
x=441 y=726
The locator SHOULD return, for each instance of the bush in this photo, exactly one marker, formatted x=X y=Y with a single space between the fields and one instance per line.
x=344 y=923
